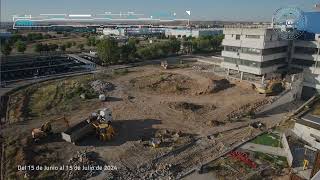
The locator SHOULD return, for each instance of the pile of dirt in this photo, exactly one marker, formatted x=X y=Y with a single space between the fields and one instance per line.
x=84 y=159
x=165 y=83
x=186 y=106
x=102 y=87
x=220 y=85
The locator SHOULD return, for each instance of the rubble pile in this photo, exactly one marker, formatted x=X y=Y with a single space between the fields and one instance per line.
x=248 y=109
x=162 y=170
x=87 y=163
x=101 y=87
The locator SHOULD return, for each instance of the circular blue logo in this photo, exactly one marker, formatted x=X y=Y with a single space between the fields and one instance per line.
x=289 y=23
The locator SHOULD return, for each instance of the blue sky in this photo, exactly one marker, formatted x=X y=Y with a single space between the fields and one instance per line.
x=259 y=10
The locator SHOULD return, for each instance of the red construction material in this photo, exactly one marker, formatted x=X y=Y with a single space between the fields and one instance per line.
x=244 y=158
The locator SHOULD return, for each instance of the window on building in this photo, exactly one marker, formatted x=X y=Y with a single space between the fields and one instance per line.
x=254 y=63
x=231 y=48
x=302 y=62
x=275 y=50
x=306 y=50
x=273 y=62
x=238 y=37
x=253 y=36
x=251 y=50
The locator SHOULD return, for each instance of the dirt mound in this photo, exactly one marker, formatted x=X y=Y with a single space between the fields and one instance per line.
x=219 y=85
x=165 y=83
x=185 y=106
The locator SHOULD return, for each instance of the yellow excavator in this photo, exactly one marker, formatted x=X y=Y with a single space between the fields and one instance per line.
x=46 y=129
x=101 y=121
x=274 y=86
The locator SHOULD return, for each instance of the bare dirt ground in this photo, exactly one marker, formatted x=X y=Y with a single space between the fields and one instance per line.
x=146 y=102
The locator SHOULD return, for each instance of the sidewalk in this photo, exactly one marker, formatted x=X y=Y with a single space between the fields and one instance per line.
x=264 y=149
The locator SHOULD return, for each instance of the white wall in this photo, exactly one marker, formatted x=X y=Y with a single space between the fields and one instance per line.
x=287 y=150
x=304 y=132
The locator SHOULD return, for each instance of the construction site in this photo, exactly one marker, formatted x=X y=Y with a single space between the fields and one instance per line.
x=144 y=122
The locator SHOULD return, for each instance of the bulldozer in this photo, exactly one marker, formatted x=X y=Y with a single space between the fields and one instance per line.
x=101 y=120
x=46 y=129
x=272 y=87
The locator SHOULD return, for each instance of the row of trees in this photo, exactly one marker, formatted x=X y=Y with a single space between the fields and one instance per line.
x=160 y=49
x=6 y=47
x=43 y=47
x=19 y=42
x=202 y=44
x=110 y=52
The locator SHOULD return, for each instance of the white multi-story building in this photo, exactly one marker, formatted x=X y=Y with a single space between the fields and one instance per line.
x=305 y=56
x=257 y=51
x=260 y=51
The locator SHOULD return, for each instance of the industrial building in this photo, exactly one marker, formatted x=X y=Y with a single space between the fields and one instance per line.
x=178 y=33
x=256 y=51
x=261 y=52
x=132 y=31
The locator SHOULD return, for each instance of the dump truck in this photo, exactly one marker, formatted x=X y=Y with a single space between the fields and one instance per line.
x=99 y=122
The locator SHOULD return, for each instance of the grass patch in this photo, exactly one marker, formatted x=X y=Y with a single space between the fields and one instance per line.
x=120 y=72
x=60 y=96
x=278 y=161
x=268 y=139
x=52 y=97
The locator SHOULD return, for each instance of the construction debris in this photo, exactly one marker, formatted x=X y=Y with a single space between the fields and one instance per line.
x=249 y=109
x=101 y=87
x=88 y=163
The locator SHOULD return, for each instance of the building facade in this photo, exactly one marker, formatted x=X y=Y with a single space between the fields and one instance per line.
x=254 y=51
x=305 y=56
x=261 y=52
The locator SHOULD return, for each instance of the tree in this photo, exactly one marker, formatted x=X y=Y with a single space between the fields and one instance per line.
x=129 y=50
x=53 y=47
x=21 y=46
x=68 y=44
x=6 y=49
x=38 y=47
x=62 y=48
x=47 y=36
x=174 y=45
x=187 y=46
x=91 y=41
x=108 y=51
x=81 y=47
